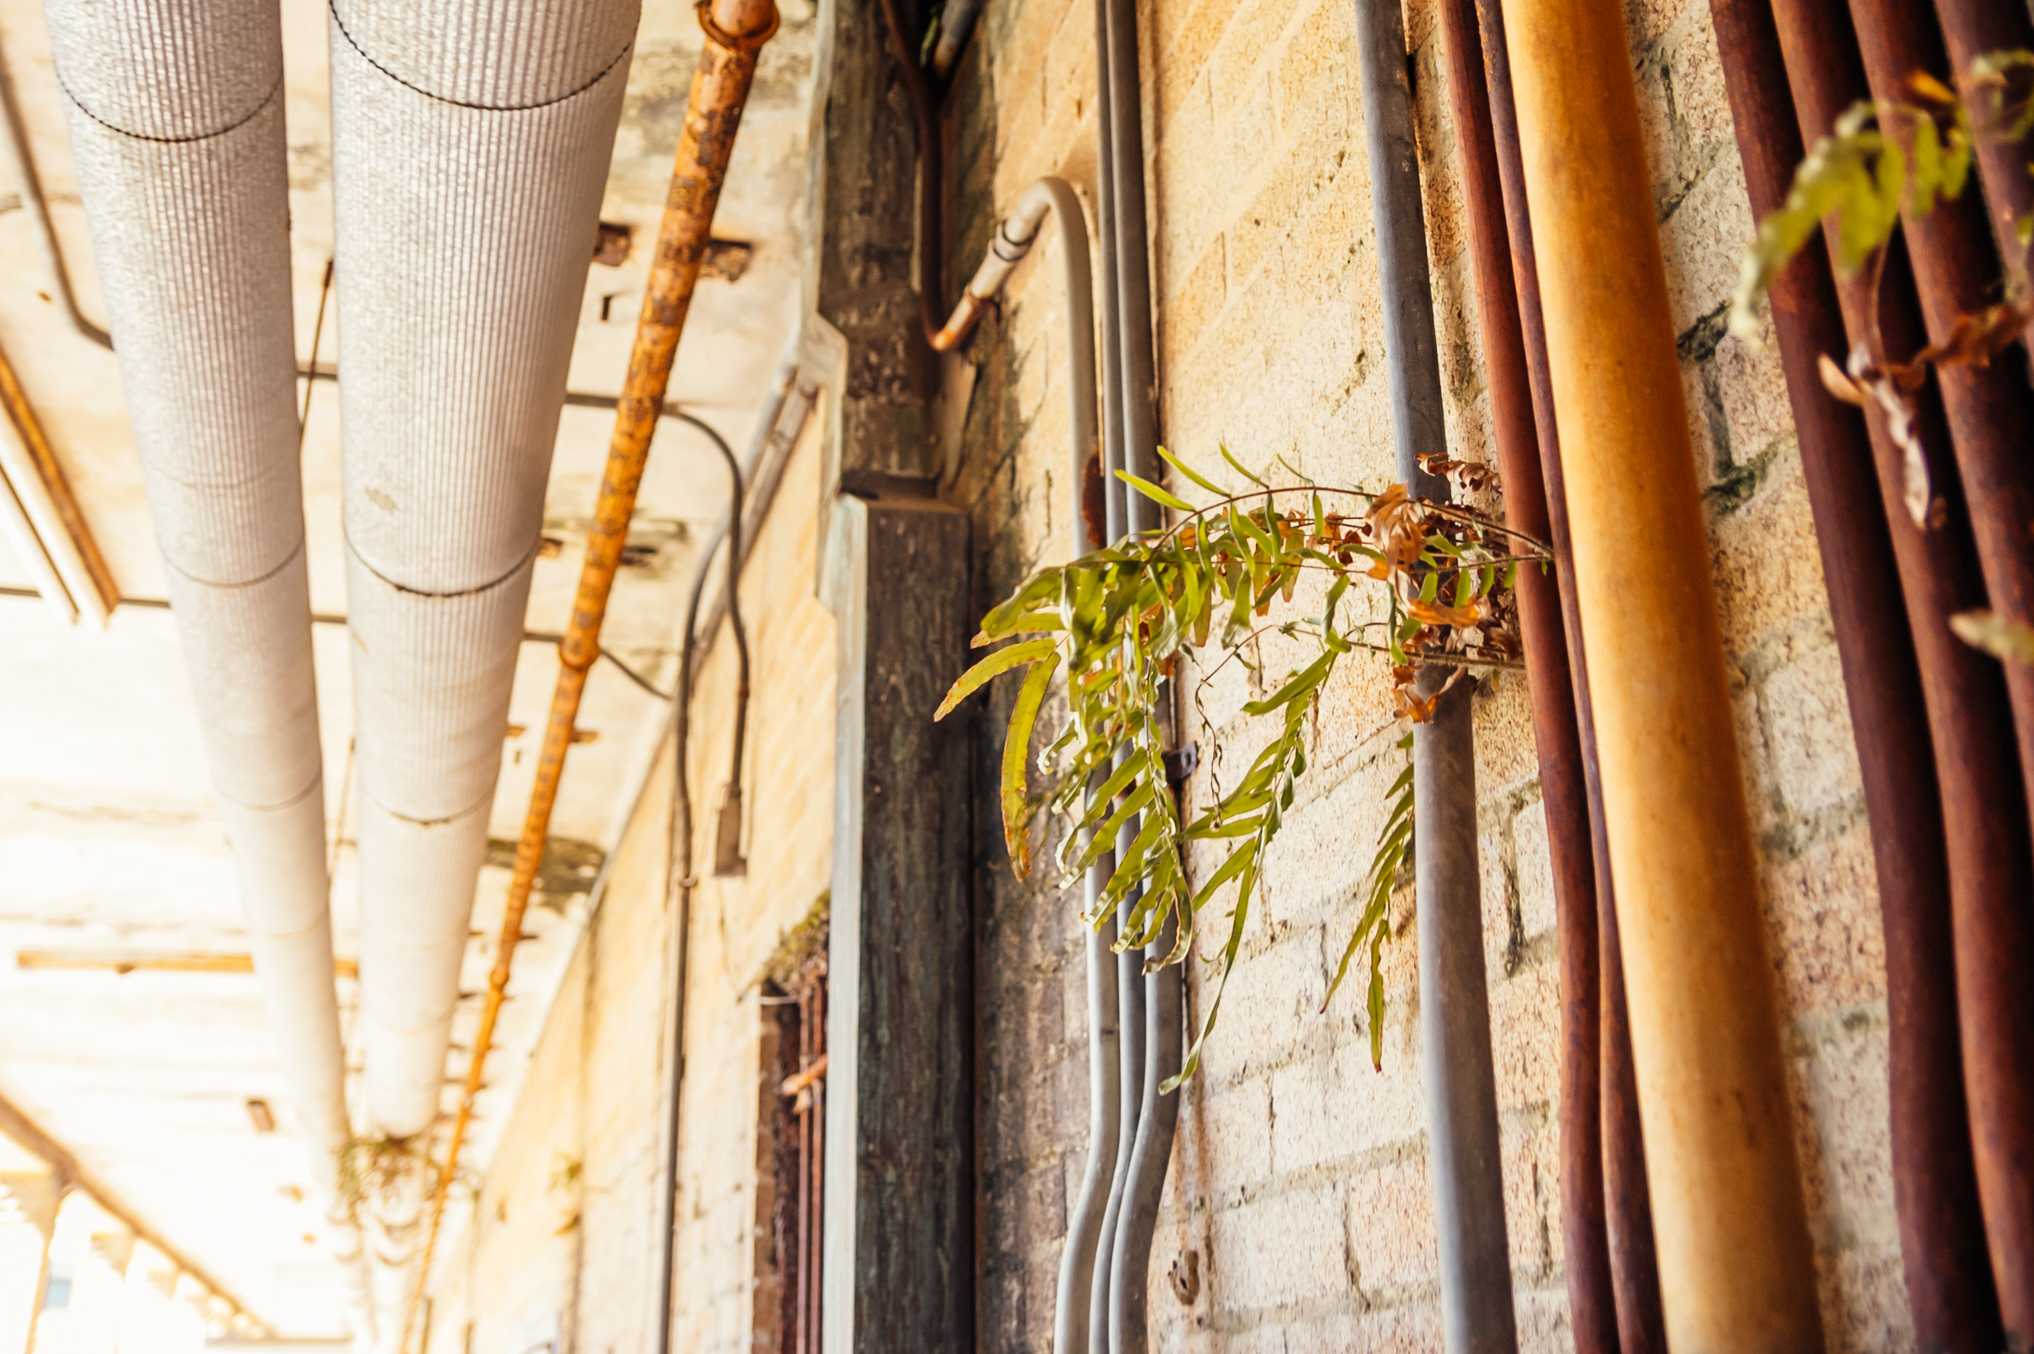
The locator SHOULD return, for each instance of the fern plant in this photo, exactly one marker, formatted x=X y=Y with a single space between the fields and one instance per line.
x=1116 y=626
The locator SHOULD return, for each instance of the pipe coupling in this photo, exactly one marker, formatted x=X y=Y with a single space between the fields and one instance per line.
x=732 y=41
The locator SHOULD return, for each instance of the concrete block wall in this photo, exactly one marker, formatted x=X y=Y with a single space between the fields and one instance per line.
x=1297 y=1216
x=561 y=1243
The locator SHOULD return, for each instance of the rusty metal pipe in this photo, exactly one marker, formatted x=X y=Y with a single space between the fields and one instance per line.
x=1584 y=1248
x=1991 y=417
x=1934 y=1185
x=1627 y=1205
x=1974 y=28
x=735 y=33
x=1984 y=816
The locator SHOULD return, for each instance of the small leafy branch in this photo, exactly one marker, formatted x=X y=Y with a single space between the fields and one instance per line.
x=1884 y=158
x=1117 y=624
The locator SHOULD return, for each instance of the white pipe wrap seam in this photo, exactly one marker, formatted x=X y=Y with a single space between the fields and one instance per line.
x=177 y=122
x=470 y=147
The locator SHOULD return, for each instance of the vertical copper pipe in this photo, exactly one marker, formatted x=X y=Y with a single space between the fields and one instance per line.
x=735 y=33
x=1729 y=1220
x=1934 y=1185
x=1628 y=1219
x=1991 y=421
x=1584 y=1248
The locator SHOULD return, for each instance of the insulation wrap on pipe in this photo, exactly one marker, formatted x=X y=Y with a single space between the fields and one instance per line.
x=1464 y=1161
x=470 y=148
x=177 y=123
x=1729 y=1220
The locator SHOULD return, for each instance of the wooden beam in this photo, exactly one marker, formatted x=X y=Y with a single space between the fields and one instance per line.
x=124 y=962
x=15 y=1123
x=899 y=1207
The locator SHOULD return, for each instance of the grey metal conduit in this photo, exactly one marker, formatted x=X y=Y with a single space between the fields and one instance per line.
x=1464 y=1168
x=1129 y=965
x=1072 y=1310
x=1129 y=351
x=1012 y=241
x=956 y=21
x=749 y=480
x=37 y=205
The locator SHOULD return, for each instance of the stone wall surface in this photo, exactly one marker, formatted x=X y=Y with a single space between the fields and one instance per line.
x=1297 y=1215
x=561 y=1244
x=1298 y=1194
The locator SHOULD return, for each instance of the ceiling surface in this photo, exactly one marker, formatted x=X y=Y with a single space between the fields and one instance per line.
x=110 y=855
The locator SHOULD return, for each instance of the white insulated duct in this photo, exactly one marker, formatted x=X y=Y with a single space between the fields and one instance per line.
x=177 y=123
x=471 y=143
x=176 y=118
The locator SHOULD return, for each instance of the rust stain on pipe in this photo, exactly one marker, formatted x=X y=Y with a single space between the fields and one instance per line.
x=1563 y=797
x=1628 y=1219
x=1984 y=813
x=735 y=33
x=1934 y=1184
x=26 y=423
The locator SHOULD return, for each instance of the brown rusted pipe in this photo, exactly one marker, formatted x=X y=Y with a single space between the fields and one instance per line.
x=1563 y=799
x=1984 y=815
x=1973 y=29
x=1934 y=1186
x=735 y=33
x=99 y=594
x=1957 y=272
x=1628 y=1221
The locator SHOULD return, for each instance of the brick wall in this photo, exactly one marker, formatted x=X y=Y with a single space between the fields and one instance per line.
x=561 y=1241
x=1298 y=1192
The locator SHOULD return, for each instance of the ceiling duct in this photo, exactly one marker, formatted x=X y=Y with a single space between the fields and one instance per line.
x=176 y=116
x=470 y=147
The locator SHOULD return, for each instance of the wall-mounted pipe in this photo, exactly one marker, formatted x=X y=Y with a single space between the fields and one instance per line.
x=1464 y=1159
x=1130 y=1029
x=1014 y=238
x=956 y=23
x=1627 y=1210
x=680 y=879
x=1991 y=423
x=1934 y=1187
x=1129 y=346
x=1728 y=1215
x=1563 y=797
x=36 y=203
x=735 y=33
x=1976 y=28
x=176 y=117
x=1983 y=809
